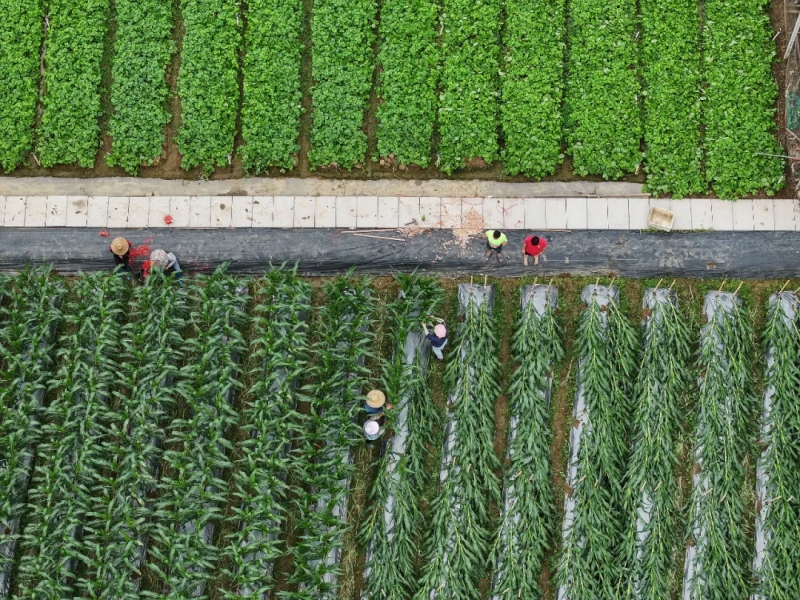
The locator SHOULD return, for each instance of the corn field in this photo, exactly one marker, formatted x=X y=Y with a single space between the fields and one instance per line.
x=202 y=439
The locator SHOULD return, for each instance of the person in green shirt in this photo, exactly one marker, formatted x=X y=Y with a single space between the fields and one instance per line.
x=495 y=240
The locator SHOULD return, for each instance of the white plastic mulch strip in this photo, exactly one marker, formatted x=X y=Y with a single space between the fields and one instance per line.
x=538 y=296
x=602 y=295
x=790 y=304
x=714 y=302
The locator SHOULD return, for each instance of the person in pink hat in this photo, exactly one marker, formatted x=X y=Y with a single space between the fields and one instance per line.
x=438 y=338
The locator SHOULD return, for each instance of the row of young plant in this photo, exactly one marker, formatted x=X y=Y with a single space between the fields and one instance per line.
x=21 y=39
x=409 y=74
x=342 y=63
x=392 y=527
x=143 y=48
x=70 y=127
x=208 y=82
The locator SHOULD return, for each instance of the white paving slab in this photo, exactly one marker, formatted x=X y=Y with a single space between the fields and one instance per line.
x=221 y=211
x=367 y=212
x=430 y=212
x=618 y=213
x=241 y=211
x=784 y=214
x=702 y=217
x=138 y=211
x=514 y=213
x=200 y=215
x=722 y=215
x=555 y=213
x=180 y=209
x=97 y=211
x=388 y=212
x=15 y=211
x=597 y=213
x=77 y=207
x=576 y=213
x=474 y=206
x=493 y=213
x=325 y=211
x=452 y=211
x=763 y=215
x=638 y=213
x=35 y=211
x=304 y=211
x=158 y=211
x=347 y=212
x=283 y=211
x=742 y=216
x=683 y=214
x=56 y=211
x=535 y=217
x=408 y=211
x=263 y=211
x=2 y=210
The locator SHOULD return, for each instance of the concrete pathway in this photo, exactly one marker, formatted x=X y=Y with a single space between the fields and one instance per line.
x=376 y=212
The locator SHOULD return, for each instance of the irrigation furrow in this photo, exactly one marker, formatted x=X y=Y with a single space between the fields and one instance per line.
x=526 y=517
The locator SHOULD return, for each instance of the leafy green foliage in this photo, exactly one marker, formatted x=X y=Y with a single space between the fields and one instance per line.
x=779 y=575
x=459 y=538
x=20 y=39
x=603 y=117
x=271 y=104
x=526 y=525
x=740 y=99
x=342 y=62
x=71 y=457
x=588 y=564
x=671 y=76
x=139 y=92
x=470 y=94
x=409 y=62
x=651 y=487
x=532 y=76
x=70 y=127
x=192 y=490
x=726 y=405
x=120 y=519
x=279 y=352
x=402 y=476
x=208 y=83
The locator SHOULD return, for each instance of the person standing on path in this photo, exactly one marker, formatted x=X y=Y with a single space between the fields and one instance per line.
x=533 y=246
x=438 y=338
x=495 y=240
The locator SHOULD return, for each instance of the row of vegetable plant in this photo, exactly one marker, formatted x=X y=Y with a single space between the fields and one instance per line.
x=208 y=82
x=469 y=102
x=602 y=112
x=339 y=378
x=279 y=356
x=271 y=87
x=70 y=127
x=589 y=560
x=778 y=502
x=739 y=111
x=148 y=366
x=459 y=532
x=20 y=39
x=143 y=48
x=392 y=526
x=671 y=78
x=409 y=74
x=192 y=491
x=532 y=77
x=71 y=457
x=31 y=314
x=342 y=61
x=717 y=554
x=527 y=516
x=654 y=526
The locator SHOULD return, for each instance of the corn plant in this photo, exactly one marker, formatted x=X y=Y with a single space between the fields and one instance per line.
x=459 y=539
x=652 y=537
x=71 y=456
x=588 y=563
x=778 y=505
x=31 y=316
x=716 y=561
x=120 y=519
x=192 y=492
x=391 y=528
x=526 y=524
x=278 y=352
x=324 y=464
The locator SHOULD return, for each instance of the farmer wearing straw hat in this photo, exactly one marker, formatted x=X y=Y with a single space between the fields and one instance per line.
x=438 y=338
x=121 y=249
x=376 y=402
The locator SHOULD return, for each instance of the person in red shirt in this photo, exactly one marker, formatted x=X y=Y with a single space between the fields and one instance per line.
x=533 y=246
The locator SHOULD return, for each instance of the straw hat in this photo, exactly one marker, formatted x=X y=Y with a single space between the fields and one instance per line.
x=158 y=258
x=371 y=427
x=440 y=330
x=120 y=246
x=376 y=399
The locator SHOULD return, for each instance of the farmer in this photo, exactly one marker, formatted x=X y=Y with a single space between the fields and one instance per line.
x=376 y=402
x=533 y=246
x=121 y=249
x=495 y=240
x=167 y=261
x=373 y=430
x=438 y=338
